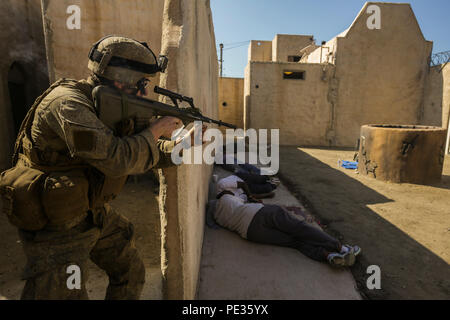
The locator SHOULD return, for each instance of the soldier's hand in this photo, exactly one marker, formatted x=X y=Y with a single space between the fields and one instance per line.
x=164 y=126
x=193 y=136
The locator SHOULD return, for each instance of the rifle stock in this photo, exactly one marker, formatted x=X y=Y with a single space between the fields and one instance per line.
x=114 y=107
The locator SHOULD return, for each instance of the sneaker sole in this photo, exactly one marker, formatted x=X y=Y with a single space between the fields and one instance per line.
x=350 y=259
x=357 y=252
x=337 y=262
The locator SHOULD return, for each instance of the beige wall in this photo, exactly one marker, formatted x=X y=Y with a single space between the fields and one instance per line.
x=231 y=93
x=23 y=42
x=299 y=108
x=67 y=50
x=379 y=77
x=306 y=51
x=259 y=50
x=380 y=73
x=189 y=41
x=446 y=96
x=247 y=97
x=437 y=96
x=284 y=45
x=324 y=53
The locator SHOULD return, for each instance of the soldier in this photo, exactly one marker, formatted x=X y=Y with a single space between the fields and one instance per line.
x=86 y=165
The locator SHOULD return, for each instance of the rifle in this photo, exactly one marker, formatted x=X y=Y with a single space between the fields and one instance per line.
x=117 y=109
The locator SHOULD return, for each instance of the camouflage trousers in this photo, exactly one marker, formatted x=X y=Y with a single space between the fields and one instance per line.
x=105 y=237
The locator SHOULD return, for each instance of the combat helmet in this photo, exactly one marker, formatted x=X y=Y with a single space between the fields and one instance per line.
x=124 y=59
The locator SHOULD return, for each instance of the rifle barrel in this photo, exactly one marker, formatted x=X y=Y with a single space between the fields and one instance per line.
x=178 y=96
x=221 y=123
x=168 y=93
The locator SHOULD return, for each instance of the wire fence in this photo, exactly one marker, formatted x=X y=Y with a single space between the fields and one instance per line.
x=440 y=58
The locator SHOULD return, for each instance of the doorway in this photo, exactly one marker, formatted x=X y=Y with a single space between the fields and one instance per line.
x=17 y=81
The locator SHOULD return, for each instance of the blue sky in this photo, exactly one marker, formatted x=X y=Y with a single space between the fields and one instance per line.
x=237 y=21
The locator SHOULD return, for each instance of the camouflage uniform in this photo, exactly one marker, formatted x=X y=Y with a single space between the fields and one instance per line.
x=67 y=133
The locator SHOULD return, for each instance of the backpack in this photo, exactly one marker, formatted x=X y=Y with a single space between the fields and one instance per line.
x=21 y=186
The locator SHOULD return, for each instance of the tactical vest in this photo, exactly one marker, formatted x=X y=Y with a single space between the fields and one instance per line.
x=56 y=196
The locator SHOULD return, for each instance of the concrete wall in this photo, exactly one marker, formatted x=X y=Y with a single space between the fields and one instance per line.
x=284 y=45
x=379 y=77
x=23 y=42
x=259 y=50
x=247 y=97
x=189 y=42
x=299 y=108
x=437 y=96
x=231 y=101
x=306 y=51
x=381 y=73
x=67 y=50
x=325 y=53
x=446 y=96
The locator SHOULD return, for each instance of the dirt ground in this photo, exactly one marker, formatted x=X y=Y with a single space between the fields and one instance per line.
x=137 y=202
x=402 y=228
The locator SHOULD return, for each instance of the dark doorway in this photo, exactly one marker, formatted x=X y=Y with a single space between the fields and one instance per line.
x=299 y=75
x=17 y=81
x=294 y=58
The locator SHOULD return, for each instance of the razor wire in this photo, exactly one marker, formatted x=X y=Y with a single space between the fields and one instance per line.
x=440 y=58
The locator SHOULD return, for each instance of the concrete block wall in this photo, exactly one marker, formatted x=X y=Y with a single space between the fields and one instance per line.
x=381 y=73
x=324 y=53
x=379 y=76
x=299 y=108
x=189 y=41
x=437 y=96
x=285 y=45
x=231 y=101
x=67 y=49
x=259 y=50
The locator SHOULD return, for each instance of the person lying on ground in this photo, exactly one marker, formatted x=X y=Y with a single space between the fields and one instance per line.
x=230 y=163
x=237 y=210
x=258 y=186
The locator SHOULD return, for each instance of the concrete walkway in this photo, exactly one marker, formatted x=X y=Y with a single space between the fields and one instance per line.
x=234 y=268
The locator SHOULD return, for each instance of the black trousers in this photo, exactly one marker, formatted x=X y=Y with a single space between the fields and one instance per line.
x=274 y=225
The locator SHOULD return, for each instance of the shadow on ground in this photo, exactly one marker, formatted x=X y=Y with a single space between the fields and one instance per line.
x=408 y=269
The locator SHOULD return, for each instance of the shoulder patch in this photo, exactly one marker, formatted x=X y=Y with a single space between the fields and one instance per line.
x=83 y=140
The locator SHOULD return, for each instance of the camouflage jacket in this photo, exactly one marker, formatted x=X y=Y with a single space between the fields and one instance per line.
x=67 y=131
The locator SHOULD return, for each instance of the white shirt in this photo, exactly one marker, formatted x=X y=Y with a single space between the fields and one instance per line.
x=234 y=214
x=230 y=183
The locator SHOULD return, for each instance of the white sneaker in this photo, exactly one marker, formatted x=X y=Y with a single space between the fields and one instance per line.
x=355 y=249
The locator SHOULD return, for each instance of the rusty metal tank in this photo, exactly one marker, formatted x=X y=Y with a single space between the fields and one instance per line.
x=402 y=153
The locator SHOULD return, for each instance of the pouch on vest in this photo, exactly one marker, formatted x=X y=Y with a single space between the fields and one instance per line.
x=20 y=189
x=65 y=199
x=103 y=189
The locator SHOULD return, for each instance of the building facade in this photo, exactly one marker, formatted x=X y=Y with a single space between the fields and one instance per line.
x=365 y=75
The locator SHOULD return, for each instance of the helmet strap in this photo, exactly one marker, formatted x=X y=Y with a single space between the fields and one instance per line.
x=104 y=61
